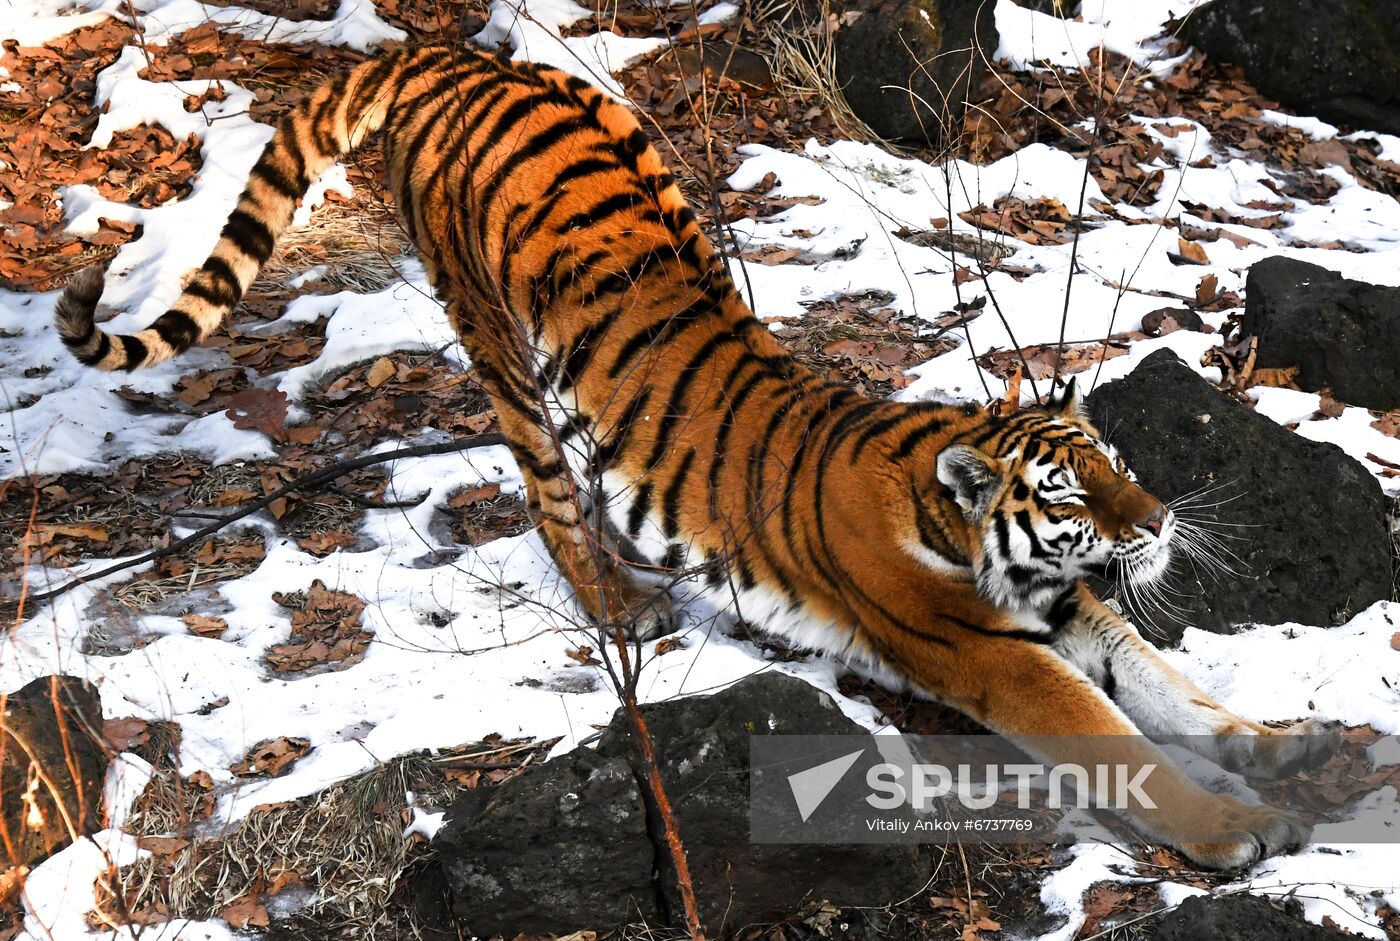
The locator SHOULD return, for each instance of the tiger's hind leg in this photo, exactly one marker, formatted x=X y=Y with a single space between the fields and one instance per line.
x=589 y=560
x=1162 y=702
x=582 y=549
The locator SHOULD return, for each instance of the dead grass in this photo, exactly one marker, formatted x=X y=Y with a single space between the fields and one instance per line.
x=344 y=847
x=360 y=242
x=804 y=61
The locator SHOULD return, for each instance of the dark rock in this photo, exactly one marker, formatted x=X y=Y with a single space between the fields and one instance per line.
x=1340 y=61
x=1310 y=537
x=905 y=66
x=702 y=745
x=1239 y=918
x=1342 y=334
x=559 y=848
x=1153 y=324
x=50 y=737
x=568 y=846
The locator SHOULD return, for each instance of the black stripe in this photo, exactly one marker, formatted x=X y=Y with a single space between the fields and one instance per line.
x=580 y=353
x=661 y=330
x=679 y=390
x=250 y=234
x=1023 y=520
x=220 y=270
x=913 y=438
x=210 y=293
x=726 y=424
x=176 y=328
x=538 y=143
x=671 y=499
x=675 y=557
x=600 y=211
x=276 y=179
x=641 y=505
x=104 y=346
x=608 y=452
x=135 y=351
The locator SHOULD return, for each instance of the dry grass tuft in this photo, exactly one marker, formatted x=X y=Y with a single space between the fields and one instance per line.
x=804 y=61
x=359 y=242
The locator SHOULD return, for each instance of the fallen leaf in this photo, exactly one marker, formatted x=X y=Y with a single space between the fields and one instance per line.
x=583 y=656
x=1205 y=290
x=245 y=913
x=1387 y=423
x=1192 y=252
x=263 y=410
x=125 y=734
x=381 y=372
x=202 y=625
x=474 y=496
x=271 y=758
x=74 y=531
x=1328 y=407
x=1277 y=377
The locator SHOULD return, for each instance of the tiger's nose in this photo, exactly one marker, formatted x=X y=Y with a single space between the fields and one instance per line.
x=1152 y=522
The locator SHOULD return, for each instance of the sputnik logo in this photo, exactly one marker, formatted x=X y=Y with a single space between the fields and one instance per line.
x=811 y=787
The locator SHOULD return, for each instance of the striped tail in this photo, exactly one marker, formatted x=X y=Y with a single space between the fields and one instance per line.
x=329 y=124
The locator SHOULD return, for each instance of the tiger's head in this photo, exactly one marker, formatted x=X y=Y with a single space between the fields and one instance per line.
x=1047 y=502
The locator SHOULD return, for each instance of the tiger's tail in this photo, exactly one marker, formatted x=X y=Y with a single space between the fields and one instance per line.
x=326 y=126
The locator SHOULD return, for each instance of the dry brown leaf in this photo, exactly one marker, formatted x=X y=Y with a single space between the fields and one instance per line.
x=246 y=913
x=583 y=656
x=1387 y=423
x=271 y=758
x=474 y=496
x=1277 y=377
x=1206 y=289
x=87 y=531
x=263 y=410
x=1328 y=407
x=324 y=543
x=381 y=372
x=125 y=734
x=203 y=625
x=1192 y=251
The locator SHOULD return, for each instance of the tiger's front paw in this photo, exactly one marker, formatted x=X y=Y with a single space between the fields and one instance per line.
x=1247 y=835
x=649 y=617
x=1301 y=746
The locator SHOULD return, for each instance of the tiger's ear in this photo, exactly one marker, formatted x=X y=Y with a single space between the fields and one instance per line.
x=971 y=475
x=1067 y=403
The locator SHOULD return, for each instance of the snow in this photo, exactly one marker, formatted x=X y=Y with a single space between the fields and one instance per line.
x=479 y=645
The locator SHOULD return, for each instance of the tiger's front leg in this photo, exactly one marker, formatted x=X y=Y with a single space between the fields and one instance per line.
x=1162 y=702
x=1028 y=692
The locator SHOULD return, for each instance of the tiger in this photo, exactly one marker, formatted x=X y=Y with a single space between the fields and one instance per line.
x=659 y=426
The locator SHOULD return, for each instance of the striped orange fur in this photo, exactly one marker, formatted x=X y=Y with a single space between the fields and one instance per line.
x=941 y=543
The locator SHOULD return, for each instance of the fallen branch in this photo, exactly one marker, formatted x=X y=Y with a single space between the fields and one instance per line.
x=332 y=472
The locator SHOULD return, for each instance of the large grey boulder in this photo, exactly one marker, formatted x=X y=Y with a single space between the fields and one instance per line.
x=1341 y=334
x=560 y=848
x=569 y=846
x=1306 y=523
x=905 y=66
x=1338 y=60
